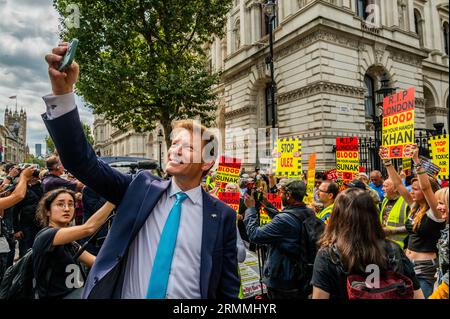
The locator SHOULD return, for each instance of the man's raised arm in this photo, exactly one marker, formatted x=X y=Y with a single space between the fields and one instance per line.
x=63 y=123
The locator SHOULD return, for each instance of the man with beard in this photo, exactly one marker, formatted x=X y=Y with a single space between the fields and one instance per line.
x=282 y=237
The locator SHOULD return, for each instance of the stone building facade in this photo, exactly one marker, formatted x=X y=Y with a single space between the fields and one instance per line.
x=329 y=57
x=110 y=141
x=13 y=137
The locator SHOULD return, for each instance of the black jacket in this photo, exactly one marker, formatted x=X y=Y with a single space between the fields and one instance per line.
x=25 y=211
x=280 y=235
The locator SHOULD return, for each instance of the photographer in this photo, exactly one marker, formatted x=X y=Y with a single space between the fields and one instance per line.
x=53 y=179
x=19 y=190
x=25 y=224
x=6 y=201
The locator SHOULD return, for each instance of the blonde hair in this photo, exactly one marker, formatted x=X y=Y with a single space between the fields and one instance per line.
x=443 y=194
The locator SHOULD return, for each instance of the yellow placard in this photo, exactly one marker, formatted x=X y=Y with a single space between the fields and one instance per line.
x=406 y=166
x=311 y=179
x=398 y=124
x=439 y=154
x=288 y=158
x=347 y=158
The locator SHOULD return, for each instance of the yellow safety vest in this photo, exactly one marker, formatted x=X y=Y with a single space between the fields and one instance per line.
x=325 y=214
x=397 y=217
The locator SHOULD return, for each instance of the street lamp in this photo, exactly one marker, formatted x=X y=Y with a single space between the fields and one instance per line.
x=269 y=10
x=380 y=94
x=160 y=139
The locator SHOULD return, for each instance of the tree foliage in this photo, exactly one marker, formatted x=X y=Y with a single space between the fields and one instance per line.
x=34 y=160
x=143 y=61
x=87 y=133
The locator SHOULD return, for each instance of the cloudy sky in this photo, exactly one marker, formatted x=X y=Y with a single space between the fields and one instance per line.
x=28 y=31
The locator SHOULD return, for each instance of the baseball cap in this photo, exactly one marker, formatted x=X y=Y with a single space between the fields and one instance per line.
x=356 y=183
x=284 y=181
x=294 y=186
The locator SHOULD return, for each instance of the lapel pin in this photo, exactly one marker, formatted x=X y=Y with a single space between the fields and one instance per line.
x=213 y=215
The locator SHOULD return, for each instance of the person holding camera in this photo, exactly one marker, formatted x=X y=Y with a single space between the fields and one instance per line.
x=282 y=237
x=9 y=198
x=53 y=179
x=25 y=224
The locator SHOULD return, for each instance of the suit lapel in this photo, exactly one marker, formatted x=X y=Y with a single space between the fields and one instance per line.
x=152 y=195
x=211 y=221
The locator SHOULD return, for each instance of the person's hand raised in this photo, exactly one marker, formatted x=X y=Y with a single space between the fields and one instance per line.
x=27 y=173
x=249 y=200
x=62 y=82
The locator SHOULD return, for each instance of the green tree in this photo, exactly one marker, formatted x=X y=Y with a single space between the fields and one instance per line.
x=32 y=159
x=50 y=144
x=143 y=61
x=87 y=133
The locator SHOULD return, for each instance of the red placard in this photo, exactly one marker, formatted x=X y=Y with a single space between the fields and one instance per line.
x=231 y=199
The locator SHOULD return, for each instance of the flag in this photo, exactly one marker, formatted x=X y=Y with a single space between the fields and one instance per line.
x=13 y=97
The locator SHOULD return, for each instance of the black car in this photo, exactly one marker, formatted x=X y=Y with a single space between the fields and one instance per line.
x=130 y=164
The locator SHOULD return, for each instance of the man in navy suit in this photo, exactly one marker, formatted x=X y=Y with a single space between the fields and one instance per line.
x=204 y=263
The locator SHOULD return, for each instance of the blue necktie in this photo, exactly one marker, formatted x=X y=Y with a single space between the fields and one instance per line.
x=159 y=278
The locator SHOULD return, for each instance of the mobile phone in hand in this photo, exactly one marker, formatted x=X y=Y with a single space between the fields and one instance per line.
x=69 y=56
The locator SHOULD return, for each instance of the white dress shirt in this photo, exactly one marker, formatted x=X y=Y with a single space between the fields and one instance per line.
x=184 y=278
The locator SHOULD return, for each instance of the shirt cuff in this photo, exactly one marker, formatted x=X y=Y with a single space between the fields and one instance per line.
x=58 y=105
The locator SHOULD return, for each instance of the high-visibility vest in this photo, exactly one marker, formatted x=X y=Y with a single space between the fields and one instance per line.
x=397 y=217
x=325 y=214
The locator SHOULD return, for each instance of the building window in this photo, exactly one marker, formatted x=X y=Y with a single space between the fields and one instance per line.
x=268 y=105
x=445 y=32
x=418 y=26
x=369 y=97
x=237 y=35
x=361 y=8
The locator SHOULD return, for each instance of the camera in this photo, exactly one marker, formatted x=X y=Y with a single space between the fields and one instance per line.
x=36 y=171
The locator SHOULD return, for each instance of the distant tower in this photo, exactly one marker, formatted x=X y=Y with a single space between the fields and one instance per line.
x=17 y=122
x=23 y=126
x=38 y=150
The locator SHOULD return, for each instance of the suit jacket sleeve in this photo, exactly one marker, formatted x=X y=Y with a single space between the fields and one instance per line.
x=79 y=158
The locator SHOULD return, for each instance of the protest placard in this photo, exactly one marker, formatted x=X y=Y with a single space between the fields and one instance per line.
x=439 y=154
x=231 y=199
x=406 y=166
x=429 y=167
x=311 y=179
x=398 y=124
x=347 y=157
x=287 y=158
x=275 y=200
x=228 y=171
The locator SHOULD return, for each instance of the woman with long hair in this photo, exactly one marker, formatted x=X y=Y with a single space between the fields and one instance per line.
x=57 y=274
x=424 y=223
x=355 y=234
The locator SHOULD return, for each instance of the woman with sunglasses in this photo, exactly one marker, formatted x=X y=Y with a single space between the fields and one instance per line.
x=57 y=274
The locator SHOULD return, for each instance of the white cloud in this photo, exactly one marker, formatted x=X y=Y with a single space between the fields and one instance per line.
x=28 y=31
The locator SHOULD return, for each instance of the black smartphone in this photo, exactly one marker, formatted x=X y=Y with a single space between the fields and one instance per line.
x=69 y=56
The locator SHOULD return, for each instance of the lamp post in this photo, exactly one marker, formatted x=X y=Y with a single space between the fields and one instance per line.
x=381 y=93
x=269 y=10
x=160 y=139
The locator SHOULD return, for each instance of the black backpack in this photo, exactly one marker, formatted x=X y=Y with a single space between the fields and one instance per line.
x=18 y=281
x=311 y=229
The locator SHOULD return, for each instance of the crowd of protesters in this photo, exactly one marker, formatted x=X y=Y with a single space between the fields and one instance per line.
x=43 y=210
x=366 y=221
x=358 y=223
